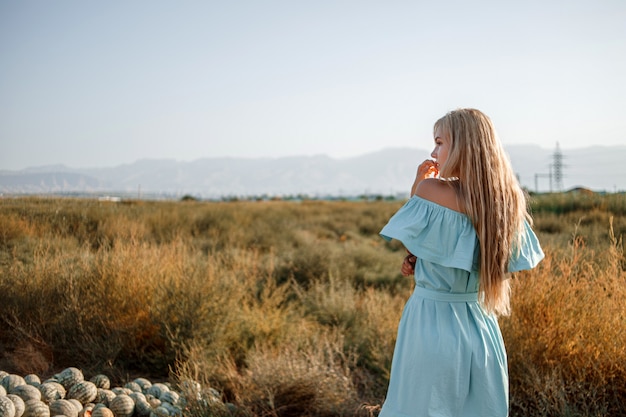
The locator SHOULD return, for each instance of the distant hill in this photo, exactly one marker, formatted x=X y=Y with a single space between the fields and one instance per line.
x=387 y=172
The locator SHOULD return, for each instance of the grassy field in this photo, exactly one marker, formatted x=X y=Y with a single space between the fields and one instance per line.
x=290 y=308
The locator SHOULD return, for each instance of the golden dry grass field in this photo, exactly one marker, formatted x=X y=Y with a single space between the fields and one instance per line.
x=290 y=308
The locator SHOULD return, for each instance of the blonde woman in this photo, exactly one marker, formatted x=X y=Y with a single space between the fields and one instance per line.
x=466 y=228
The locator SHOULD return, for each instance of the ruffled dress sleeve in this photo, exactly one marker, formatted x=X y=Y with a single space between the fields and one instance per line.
x=437 y=234
x=434 y=233
x=529 y=254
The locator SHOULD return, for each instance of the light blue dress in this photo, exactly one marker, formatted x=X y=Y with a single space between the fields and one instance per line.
x=449 y=359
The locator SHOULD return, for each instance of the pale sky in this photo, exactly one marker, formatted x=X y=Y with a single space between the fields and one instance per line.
x=103 y=83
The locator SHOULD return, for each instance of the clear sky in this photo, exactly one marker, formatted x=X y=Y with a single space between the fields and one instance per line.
x=102 y=83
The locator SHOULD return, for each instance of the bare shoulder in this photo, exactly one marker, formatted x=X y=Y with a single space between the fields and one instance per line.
x=440 y=192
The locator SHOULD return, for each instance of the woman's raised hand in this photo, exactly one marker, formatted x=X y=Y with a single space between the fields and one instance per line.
x=427 y=169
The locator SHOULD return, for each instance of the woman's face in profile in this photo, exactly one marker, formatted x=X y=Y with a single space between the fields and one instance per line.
x=442 y=147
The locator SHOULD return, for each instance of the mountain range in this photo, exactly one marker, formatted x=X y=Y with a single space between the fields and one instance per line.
x=388 y=172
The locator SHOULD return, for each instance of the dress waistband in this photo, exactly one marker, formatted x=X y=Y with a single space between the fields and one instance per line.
x=446 y=296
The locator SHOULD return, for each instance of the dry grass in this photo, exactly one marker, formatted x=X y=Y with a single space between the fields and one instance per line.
x=291 y=308
x=566 y=340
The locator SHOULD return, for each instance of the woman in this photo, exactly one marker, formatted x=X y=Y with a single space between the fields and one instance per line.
x=465 y=228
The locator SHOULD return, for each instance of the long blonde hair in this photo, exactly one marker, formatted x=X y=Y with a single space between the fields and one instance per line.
x=491 y=197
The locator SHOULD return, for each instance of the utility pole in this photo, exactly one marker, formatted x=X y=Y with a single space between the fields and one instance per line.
x=549 y=176
x=555 y=175
x=558 y=168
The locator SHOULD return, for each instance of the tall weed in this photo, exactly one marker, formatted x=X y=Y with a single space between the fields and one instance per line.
x=565 y=337
x=291 y=308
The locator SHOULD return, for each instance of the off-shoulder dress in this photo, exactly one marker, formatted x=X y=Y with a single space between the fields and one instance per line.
x=449 y=358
